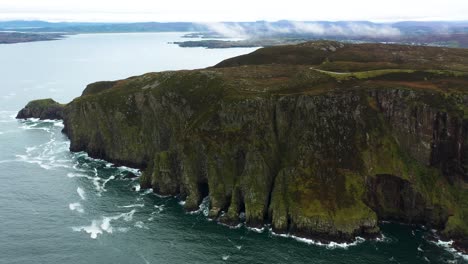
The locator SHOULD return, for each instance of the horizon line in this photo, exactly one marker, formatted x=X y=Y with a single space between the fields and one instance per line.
x=52 y=21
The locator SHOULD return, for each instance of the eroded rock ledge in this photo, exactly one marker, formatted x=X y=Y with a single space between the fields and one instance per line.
x=314 y=152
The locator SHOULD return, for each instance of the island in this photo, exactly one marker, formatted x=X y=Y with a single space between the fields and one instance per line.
x=320 y=140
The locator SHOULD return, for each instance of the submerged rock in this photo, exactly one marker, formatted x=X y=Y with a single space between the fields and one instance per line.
x=130 y=175
x=42 y=109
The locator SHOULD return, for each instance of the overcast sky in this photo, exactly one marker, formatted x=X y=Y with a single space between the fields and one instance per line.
x=233 y=10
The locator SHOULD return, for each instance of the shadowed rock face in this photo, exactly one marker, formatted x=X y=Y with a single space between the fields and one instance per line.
x=42 y=109
x=315 y=153
x=393 y=198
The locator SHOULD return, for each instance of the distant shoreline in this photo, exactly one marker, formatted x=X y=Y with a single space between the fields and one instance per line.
x=19 y=37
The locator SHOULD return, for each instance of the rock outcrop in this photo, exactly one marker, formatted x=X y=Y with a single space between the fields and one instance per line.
x=315 y=153
x=42 y=109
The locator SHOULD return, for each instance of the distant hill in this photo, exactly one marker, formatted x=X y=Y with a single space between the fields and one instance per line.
x=85 y=27
x=265 y=33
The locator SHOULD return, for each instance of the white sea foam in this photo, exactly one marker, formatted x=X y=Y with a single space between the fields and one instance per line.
x=94 y=230
x=140 y=224
x=147 y=191
x=99 y=183
x=79 y=175
x=203 y=208
x=132 y=205
x=448 y=245
x=137 y=187
x=123 y=229
x=98 y=227
x=81 y=193
x=45 y=155
x=159 y=195
x=256 y=230
x=357 y=241
x=383 y=238
x=34 y=124
x=59 y=124
x=159 y=207
x=108 y=164
x=329 y=245
x=231 y=226
x=445 y=244
x=105 y=225
x=106 y=181
x=76 y=207
x=132 y=170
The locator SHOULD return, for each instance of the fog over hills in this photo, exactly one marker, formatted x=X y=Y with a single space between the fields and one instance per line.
x=265 y=33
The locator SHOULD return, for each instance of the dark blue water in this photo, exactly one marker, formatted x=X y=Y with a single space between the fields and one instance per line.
x=62 y=207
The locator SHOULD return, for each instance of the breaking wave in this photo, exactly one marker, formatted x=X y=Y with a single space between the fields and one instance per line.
x=81 y=193
x=76 y=207
x=48 y=155
x=448 y=246
x=329 y=245
x=203 y=208
x=99 y=226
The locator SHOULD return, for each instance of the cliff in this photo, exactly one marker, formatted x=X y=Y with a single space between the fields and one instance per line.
x=321 y=139
x=42 y=109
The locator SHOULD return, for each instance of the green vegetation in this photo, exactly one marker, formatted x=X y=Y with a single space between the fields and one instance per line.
x=42 y=109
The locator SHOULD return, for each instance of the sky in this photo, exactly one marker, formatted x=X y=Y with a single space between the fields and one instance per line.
x=233 y=10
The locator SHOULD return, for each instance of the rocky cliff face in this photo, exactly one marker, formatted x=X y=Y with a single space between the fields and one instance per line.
x=315 y=153
x=42 y=109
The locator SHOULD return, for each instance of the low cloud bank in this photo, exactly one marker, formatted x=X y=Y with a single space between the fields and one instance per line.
x=319 y=29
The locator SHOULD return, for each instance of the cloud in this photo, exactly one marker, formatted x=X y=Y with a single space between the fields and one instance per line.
x=373 y=30
x=312 y=28
x=320 y=29
x=231 y=30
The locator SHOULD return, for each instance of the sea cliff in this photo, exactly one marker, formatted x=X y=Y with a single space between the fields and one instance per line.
x=320 y=140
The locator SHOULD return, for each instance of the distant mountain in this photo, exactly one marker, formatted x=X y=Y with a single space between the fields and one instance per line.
x=255 y=27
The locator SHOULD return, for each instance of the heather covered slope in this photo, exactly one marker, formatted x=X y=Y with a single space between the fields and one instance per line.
x=288 y=136
x=336 y=56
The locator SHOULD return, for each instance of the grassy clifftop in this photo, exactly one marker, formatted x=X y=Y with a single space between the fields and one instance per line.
x=336 y=56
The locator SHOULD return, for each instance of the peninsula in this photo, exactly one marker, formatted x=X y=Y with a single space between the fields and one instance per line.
x=321 y=139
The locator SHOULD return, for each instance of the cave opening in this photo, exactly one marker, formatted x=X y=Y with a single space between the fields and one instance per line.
x=203 y=189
